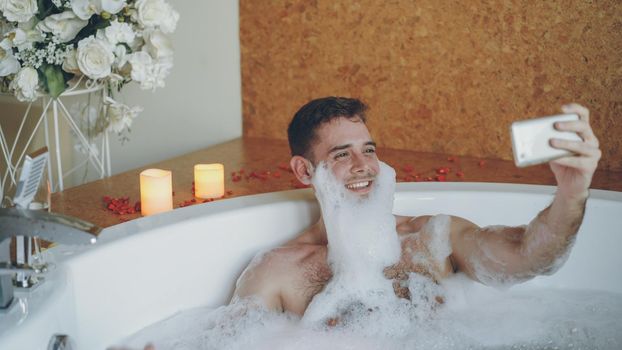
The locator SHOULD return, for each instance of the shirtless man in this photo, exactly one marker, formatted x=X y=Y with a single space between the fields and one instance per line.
x=333 y=130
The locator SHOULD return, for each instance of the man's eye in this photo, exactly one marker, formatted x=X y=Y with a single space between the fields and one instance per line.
x=341 y=155
x=370 y=150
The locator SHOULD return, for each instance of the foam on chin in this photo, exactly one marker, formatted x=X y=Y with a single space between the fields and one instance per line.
x=362 y=241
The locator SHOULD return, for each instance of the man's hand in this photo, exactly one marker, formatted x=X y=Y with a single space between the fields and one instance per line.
x=574 y=173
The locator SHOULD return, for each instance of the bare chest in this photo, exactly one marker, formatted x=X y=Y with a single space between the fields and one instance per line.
x=314 y=272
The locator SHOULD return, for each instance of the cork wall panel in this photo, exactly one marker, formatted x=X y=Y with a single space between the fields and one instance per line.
x=439 y=76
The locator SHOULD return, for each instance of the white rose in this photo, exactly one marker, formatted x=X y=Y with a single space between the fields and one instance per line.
x=117 y=32
x=64 y=25
x=31 y=32
x=120 y=116
x=158 y=44
x=19 y=39
x=95 y=57
x=70 y=64
x=148 y=72
x=84 y=9
x=18 y=10
x=113 y=6
x=8 y=63
x=25 y=84
x=157 y=13
x=23 y=39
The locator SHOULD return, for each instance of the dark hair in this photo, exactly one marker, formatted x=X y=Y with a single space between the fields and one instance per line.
x=301 y=130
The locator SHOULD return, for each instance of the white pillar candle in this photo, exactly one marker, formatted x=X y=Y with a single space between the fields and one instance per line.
x=156 y=191
x=209 y=180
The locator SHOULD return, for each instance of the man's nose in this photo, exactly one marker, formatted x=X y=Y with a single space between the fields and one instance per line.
x=359 y=164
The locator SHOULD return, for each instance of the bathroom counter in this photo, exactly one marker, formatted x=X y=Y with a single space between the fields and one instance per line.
x=256 y=165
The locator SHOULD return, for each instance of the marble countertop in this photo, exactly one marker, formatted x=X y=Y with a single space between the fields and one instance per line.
x=257 y=165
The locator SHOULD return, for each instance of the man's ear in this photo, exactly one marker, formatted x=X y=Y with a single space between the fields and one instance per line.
x=302 y=168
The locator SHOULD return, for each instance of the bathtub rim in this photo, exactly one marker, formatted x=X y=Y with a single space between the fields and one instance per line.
x=214 y=208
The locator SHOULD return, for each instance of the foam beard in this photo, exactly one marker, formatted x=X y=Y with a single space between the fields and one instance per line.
x=362 y=241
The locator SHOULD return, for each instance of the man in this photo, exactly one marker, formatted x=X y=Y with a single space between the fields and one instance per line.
x=332 y=130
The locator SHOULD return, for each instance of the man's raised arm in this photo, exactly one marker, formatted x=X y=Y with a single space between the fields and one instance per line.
x=499 y=254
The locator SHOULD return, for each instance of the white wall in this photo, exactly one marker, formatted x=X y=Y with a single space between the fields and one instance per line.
x=201 y=104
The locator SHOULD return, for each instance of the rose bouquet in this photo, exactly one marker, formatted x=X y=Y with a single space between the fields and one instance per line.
x=47 y=45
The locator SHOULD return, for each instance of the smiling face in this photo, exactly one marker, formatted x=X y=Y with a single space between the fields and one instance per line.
x=345 y=145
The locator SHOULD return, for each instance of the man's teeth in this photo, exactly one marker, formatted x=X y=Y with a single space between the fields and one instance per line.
x=358 y=185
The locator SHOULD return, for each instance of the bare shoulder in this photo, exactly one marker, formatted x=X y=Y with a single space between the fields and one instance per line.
x=270 y=273
x=278 y=260
x=410 y=224
x=438 y=236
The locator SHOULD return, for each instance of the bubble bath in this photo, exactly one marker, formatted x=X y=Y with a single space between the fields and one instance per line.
x=473 y=317
x=362 y=241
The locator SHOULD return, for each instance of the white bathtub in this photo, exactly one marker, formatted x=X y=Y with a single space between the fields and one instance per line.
x=145 y=270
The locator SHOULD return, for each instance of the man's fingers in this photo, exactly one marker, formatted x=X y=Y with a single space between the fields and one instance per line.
x=582 y=128
x=575 y=125
x=581 y=148
x=584 y=163
x=572 y=162
x=584 y=113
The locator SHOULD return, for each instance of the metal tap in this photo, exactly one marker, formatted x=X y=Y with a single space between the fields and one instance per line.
x=51 y=227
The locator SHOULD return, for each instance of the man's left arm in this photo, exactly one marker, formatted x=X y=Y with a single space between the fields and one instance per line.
x=499 y=254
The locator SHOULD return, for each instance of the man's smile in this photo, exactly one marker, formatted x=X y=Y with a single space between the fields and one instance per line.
x=359 y=185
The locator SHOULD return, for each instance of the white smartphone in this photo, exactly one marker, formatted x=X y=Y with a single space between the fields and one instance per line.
x=530 y=139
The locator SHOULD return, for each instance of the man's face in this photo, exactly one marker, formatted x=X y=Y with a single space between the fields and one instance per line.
x=347 y=148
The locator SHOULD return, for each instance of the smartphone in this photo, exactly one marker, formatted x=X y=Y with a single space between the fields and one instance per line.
x=530 y=139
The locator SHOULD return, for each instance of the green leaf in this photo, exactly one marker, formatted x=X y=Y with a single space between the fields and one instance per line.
x=46 y=8
x=53 y=79
x=95 y=23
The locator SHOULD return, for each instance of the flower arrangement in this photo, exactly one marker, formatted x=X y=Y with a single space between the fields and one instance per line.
x=45 y=45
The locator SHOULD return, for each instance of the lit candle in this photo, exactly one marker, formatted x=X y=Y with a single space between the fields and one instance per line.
x=156 y=191
x=209 y=180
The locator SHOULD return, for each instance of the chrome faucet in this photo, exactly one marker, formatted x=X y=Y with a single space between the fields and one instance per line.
x=51 y=227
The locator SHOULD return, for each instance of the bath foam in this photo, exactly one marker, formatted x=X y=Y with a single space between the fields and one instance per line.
x=474 y=317
x=362 y=241
x=437 y=238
